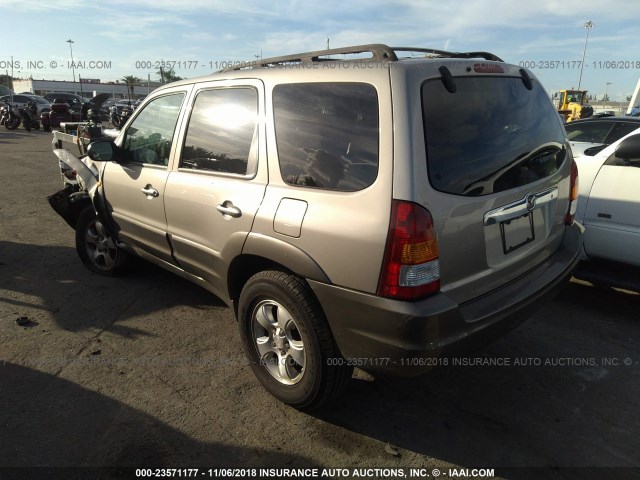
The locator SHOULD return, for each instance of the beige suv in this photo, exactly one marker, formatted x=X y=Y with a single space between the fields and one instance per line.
x=362 y=207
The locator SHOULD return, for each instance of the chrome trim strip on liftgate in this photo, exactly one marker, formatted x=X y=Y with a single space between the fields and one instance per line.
x=517 y=209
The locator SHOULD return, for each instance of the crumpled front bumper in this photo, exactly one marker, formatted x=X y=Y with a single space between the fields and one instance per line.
x=68 y=203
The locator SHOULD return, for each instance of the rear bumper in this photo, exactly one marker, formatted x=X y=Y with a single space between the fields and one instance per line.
x=405 y=338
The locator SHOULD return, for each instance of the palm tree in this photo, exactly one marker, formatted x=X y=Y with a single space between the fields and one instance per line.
x=130 y=81
x=167 y=75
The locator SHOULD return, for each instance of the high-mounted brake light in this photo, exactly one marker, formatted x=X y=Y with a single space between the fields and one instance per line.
x=487 y=68
x=573 y=195
x=411 y=268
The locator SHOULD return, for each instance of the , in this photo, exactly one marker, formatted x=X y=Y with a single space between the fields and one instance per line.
x=377 y=217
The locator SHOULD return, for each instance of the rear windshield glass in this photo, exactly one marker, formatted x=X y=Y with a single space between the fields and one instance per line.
x=491 y=135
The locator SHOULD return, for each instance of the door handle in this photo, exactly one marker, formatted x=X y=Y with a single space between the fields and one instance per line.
x=149 y=191
x=227 y=208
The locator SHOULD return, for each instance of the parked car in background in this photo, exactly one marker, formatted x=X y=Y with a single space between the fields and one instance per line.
x=609 y=201
x=42 y=103
x=120 y=104
x=109 y=103
x=379 y=217
x=589 y=136
x=120 y=112
x=22 y=101
x=609 y=113
x=74 y=101
x=62 y=112
x=96 y=105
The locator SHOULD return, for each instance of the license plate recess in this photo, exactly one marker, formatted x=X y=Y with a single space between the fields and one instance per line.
x=517 y=232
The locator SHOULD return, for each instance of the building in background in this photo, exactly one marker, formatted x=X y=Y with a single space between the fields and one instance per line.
x=87 y=88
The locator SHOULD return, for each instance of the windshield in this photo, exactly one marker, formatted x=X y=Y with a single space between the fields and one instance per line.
x=491 y=135
x=574 y=96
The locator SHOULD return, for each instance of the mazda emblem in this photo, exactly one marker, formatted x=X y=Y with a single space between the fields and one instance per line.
x=530 y=201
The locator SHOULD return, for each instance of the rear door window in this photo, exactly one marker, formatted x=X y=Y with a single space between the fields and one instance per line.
x=491 y=135
x=327 y=134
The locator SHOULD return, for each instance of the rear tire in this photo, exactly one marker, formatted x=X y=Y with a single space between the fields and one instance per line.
x=288 y=341
x=95 y=246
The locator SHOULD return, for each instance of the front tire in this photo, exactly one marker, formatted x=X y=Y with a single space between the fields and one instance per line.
x=288 y=341
x=12 y=123
x=95 y=246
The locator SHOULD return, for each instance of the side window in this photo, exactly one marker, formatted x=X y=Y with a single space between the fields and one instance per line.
x=148 y=139
x=222 y=131
x=592 y=132
x=620 y=130
x=327 y=134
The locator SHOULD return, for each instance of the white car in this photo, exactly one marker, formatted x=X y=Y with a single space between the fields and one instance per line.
x=596 y=133
x=609 y=201
x=22 y=100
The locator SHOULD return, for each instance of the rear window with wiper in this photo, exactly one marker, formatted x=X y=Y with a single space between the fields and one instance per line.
x=492 y=134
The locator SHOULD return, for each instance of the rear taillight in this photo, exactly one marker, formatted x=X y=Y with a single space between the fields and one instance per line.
x=573 y=195
x=410 y=269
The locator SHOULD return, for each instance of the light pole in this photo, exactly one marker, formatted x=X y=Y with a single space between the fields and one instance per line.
x=73 y=67
x=589 y=25
x=606 y=94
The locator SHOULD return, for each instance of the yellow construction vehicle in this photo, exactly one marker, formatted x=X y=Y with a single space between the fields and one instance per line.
x=573 y=104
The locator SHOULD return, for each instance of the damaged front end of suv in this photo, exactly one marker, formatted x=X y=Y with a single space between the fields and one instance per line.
x=81 y=203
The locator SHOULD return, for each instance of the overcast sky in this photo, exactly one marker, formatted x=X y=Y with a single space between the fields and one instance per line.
x=117 y=38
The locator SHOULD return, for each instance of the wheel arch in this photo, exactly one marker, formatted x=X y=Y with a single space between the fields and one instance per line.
x=261 y=253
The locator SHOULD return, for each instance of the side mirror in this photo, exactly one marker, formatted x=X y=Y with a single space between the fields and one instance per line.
x=102 y=151
x=629 y=150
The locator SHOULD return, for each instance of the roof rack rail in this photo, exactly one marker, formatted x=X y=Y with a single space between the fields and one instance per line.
x=431 y=52
x=379 y=52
